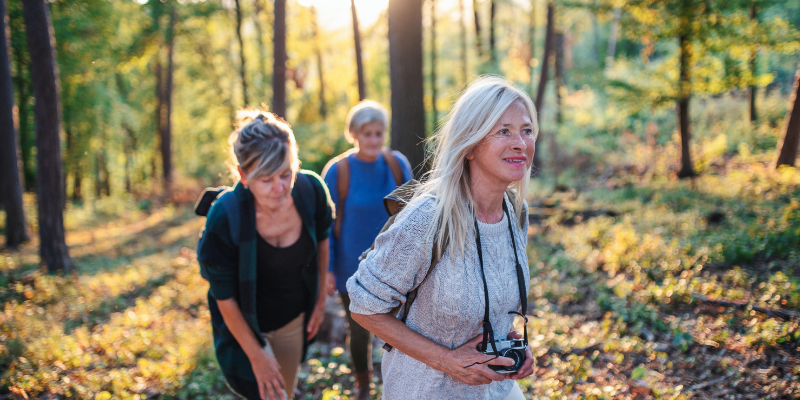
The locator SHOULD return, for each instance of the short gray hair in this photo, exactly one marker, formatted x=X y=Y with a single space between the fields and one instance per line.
x=262 y=144
x=363 y=113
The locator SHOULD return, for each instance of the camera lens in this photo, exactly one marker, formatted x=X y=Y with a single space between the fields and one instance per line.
x=517 y=356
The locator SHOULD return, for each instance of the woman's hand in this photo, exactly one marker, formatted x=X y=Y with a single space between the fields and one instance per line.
x=526 y=369
x=331 y=284
x=316 y=318
x=460 y=364
x=268 y=377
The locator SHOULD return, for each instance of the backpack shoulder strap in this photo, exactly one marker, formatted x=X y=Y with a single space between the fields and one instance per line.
x=393 y=164
x=342 y=186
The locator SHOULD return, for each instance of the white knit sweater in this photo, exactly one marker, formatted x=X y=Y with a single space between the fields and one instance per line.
x=450 y=304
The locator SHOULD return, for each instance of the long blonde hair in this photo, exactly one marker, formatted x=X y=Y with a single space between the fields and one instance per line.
x=468 y=122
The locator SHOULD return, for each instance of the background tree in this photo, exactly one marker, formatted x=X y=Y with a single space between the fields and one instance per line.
x=405 y=66
x=478 y=35
x=10 y=188
x=279 y=60
x=49 y=180
x=434 y=111
x=787 y=146
x=243 y=69
x=362 y=86
x=547 y=54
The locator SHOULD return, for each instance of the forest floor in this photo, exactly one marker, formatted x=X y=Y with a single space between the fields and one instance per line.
x=641 y=288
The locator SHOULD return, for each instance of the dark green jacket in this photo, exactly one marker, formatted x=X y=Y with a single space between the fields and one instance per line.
x=227 y=255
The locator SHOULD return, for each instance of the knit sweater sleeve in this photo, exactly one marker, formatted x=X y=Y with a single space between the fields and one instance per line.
x=397 y=265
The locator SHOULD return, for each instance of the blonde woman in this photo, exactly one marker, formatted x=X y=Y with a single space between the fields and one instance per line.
x=264 y=252
x=358 y=181
x=485 y=148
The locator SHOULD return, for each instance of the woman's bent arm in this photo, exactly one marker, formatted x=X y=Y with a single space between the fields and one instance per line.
x=323 y=254
x=265 y=367
x=460 y=363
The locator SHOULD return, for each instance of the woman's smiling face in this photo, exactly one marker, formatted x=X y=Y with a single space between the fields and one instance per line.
x=506 y=153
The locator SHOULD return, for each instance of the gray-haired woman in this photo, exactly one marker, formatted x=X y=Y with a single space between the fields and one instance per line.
x=482 y=278
x=264 y=252
x=358 y=181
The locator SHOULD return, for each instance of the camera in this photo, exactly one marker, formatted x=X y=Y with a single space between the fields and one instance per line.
x=513 y=349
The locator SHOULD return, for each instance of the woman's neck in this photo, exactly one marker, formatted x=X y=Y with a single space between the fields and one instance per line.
x=364 y=157
x=264 y=208
x=488 y=199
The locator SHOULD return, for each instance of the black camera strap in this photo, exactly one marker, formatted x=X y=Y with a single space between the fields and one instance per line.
x=488 y=332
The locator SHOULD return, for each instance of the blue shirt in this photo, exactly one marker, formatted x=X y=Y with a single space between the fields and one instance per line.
x=364 y=214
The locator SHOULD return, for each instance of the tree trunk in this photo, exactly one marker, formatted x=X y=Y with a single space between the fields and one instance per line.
x=683 y=106
x=753 y=62
x=323 y=109
x=548 y=51
x=362 y=86
x=463 y=23
x=262 y=52
x=405 y=69
x=559 y=74
x=49 y=180
x=787 y=147
x=612 y=39
x=478 y=37
x=434 y=95
x=532 y=43
x=10 y=187
x=77 y=182
x=492 y=49
x=166 y=107
x=595 y=54
x=26 y=141
x=279 y=59
x=243 y=69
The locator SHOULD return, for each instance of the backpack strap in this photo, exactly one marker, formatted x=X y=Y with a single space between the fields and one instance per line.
x=394 y=165
x=342 y=186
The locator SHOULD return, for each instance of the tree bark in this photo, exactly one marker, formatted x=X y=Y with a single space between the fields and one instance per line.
x=492 y=49
x=362 y=86
x=10 y=186
x=26 y=142
x=548 y=50
x=279 y=57
x=753 y=62
x=546 y=55
x=463 y=23
x=787 y=147
x=243 y=69
x=478 y=37
x=684 y=94
x=612 y=39
x=49 y=179
x=434 y=95
x=405 y=69
x=559 y=74
x=323 y=109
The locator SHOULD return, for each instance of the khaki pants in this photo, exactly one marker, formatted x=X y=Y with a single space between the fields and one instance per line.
x=286 y=345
